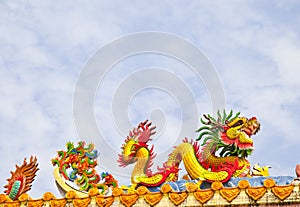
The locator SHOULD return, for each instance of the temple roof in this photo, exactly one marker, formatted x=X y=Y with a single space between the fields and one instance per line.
x=248 y=192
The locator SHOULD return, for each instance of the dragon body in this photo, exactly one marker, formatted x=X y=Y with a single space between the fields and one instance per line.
x=136 y=150
x=226 y=143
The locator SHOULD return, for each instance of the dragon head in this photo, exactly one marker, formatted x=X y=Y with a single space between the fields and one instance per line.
x=231 y=136
x=136 y=139
x=239 y=131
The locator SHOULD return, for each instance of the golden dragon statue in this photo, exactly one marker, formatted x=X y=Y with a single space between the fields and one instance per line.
x=226 y=143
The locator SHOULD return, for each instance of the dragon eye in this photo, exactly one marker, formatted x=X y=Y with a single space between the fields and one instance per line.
x=238 y=123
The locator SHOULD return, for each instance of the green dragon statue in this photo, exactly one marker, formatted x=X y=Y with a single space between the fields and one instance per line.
x=226 y=143
x=76 y=166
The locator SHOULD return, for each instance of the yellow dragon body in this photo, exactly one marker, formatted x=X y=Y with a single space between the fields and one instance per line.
x=226 y=143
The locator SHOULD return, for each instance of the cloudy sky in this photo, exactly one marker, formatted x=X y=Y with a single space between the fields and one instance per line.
x=253 y=48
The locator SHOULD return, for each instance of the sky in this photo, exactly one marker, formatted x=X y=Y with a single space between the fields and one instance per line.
x=251 y=48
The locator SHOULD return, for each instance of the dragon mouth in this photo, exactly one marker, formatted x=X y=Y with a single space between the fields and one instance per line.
x=251 y=129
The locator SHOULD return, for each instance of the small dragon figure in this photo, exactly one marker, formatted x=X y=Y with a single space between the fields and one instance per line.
x=77 y=165
x=226 y=142
x=21 y=179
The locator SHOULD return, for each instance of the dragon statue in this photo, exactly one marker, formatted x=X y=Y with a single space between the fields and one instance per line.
x=226 y=143
x=21 y=179
x=76 y=170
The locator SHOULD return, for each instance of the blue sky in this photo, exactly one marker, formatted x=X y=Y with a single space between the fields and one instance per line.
x=253 y=45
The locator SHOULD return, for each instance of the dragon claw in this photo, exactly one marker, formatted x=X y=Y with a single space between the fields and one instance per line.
x=130 y=189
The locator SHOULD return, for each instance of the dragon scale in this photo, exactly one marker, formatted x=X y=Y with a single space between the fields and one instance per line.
x=185 y=152
x=209 y=159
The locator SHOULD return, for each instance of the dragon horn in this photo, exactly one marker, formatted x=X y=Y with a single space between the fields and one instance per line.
x=211 y=121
